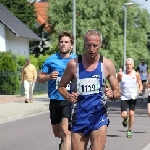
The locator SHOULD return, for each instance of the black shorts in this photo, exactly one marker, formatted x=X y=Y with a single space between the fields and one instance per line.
x=143 y=81
x=58 y=109
x=131 y=103
x=148 y=99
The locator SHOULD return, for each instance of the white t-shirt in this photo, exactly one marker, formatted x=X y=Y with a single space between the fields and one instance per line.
x=143 y=71
x=128 y=86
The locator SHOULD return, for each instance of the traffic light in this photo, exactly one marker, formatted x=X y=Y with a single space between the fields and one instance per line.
x=148 y=41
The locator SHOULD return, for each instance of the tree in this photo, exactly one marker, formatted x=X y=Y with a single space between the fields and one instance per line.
x=23 y=10
x=108 y=18
x=40 y=48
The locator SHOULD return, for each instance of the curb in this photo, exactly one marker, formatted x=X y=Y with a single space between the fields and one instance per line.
x=147 y=147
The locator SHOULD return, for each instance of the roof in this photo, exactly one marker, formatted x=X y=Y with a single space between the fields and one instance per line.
x=42 y=8
x=15 y=25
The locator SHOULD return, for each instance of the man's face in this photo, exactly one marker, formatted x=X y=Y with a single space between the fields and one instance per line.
x=129 y=65
x=92 y=45
x=27 y=62
x=65 y=45
x=143 y=62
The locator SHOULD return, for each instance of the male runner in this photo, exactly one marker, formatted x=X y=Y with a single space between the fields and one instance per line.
x=143 y=70
x=88 y=73
x=52 y=71
x=129 y=90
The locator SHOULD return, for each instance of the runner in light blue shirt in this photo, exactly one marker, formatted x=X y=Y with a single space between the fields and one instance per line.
x=52 y=71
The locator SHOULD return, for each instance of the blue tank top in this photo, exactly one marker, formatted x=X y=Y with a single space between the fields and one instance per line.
x=55 y=63
x=90 y=107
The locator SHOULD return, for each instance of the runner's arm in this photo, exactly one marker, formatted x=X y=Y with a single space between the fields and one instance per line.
x=43 y=77
x=148 y=84
x=110 y=73
x=68 y=76
x=139 y=82
x=119 y=76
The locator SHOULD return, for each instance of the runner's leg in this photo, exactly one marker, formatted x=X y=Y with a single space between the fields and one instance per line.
x=98 y=138
x=79 y=141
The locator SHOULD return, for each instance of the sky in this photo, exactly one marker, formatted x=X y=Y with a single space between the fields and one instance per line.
x=144 y=3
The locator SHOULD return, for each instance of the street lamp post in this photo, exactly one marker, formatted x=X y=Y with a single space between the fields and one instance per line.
x=125 y=30
x=74 y=25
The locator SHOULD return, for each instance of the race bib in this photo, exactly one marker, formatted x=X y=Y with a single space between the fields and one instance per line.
x=88 y=86
x=57 y=82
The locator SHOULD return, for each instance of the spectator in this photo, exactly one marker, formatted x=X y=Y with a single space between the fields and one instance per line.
x=28 y=78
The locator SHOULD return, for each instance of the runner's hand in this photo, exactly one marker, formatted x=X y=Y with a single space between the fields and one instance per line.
x=108 y=92
x=73 y=97
x=53 y=75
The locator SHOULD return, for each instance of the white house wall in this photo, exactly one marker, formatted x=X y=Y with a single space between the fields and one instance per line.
x=17 y=45
x=2 y=38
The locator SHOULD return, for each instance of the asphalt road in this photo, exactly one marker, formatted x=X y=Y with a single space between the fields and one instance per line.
x=29 y=133
x=35 y=132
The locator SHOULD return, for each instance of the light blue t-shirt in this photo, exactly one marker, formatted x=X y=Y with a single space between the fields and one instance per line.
x=55 y=63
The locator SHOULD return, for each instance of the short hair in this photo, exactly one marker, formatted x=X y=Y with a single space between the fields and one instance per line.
x=68 y=34
x=142 y=60
x=27 y=59
x=93 y=32
x=130 y=59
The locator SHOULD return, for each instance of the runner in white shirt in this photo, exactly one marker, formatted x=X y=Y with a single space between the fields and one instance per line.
x=129 y=92
x=143 y=70
x=148 y=102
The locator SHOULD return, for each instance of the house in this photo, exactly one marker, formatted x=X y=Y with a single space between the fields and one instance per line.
x=14 y=34
x=42 y=9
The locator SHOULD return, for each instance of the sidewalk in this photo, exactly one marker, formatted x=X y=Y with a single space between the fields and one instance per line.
x=14 y=107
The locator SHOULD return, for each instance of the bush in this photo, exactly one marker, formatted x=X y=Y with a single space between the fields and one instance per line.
x=9 y=75
x=21 y=61
x=41 y=60
x=10 y=71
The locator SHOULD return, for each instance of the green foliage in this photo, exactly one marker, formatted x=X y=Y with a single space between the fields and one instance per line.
x=21 y=61
x=41 y=60
x=37 y=62
x=9 y=77
x=34 y=61
x=23 y=10
x=108 y=18
x=10 y=71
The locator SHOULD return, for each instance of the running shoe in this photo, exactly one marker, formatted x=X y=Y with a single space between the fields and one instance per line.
x=89 y=148
x=125 y=122
x=60 y=144
x=129 y=134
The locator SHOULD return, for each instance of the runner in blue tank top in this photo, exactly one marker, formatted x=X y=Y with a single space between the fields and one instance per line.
x=52 y=71
x=88 y=73
x=91 y=106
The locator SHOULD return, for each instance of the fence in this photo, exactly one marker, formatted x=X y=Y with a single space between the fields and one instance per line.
x=10 y=84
